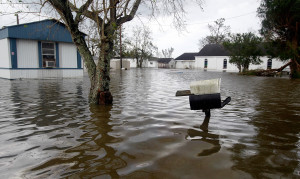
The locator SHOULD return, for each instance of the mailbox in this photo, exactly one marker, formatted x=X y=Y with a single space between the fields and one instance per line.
x=205 y=95
x=205 y=101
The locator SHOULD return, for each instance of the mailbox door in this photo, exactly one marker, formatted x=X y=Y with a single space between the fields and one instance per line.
x=205 y=101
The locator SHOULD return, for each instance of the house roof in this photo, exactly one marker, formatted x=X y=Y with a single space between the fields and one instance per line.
x=153 y=59
x=187 y=56
x=213 y=50
x=45 y=30
x=164 y=60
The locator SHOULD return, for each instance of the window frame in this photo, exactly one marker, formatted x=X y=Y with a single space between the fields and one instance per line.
x=205 y=63
x=225 y=64
x=269 y=64
x=48 y=54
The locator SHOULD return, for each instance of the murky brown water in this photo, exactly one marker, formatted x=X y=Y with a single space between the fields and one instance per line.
x=48 y=129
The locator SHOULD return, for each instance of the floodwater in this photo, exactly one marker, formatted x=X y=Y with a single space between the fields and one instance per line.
x=48 y=129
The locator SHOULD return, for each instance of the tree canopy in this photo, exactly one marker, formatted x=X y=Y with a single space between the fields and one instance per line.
x=244 y=49
x=280 y=28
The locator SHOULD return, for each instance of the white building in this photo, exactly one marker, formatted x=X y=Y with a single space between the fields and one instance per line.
x=115 y=62
x=215 y=57
x=185 y=61
x=166 y=63
x=42 y=49
x=152 y=63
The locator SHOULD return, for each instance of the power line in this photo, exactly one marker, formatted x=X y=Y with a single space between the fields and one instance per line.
x=228 y=18
x=211 y=21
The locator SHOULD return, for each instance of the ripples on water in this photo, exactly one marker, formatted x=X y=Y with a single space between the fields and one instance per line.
x=48 y=129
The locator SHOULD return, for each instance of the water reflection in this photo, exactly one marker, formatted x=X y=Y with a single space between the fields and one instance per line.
x=48 y=129
x=205 y=136
x=93 y=156
x=274 y=150
x=40 y=120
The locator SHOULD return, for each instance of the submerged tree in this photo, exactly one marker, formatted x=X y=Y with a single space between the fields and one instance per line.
x=280 y=27
x=244 y=49
x=218 y=33
x=107 y=15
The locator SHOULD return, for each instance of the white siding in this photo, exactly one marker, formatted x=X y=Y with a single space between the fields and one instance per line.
x=216 y=63
x=5 y=73
x=45 y=73
x=67 y=55
x=172 y=64
x=116 y=64
x=27 y=54
x=185 y=64
x=132 y=62
x=4 y=54
x=275 y=64
x=153 y=65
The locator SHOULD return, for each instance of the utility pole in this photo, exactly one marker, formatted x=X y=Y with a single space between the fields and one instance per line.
x=17 y=15
x=121 y=46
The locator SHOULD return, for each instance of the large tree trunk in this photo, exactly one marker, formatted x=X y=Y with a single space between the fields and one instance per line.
x=295 y=68
x=245 y=67
x=72 y=16
x=99 y=75
x=141 y=62
x=99 y=92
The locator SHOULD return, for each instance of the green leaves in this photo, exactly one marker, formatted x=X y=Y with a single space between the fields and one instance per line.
x=279 y=26
x=244 y=49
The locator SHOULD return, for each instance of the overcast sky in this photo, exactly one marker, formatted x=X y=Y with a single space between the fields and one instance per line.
x=240 y=15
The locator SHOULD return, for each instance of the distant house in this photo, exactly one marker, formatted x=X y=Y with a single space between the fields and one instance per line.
x=185 y=61
x=42 y=49
x=165 y=63
x=115 y=63
x=215 y=57
x=132 y=62
x=153 y=63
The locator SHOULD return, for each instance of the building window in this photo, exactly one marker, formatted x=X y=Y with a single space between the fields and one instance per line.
x=205 y=63
x=151 y=63
x=48 y=54
x=269 y=65
x=225 y=64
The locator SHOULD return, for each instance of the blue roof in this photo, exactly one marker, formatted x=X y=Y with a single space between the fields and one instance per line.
x=46 y=30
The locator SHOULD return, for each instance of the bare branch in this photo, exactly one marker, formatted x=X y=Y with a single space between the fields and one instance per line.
x=82 y=9
x=129 y=17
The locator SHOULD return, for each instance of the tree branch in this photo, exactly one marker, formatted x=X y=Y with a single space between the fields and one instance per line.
x=82 y=9
x=129 y=17
x=86 y=12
